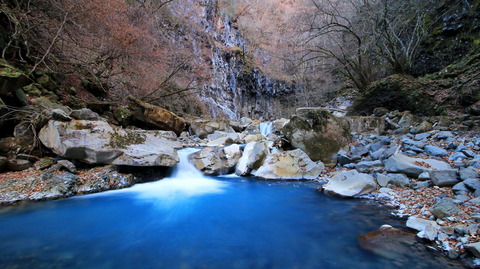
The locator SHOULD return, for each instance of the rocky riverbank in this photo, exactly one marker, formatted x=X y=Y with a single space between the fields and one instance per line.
x=426 y=169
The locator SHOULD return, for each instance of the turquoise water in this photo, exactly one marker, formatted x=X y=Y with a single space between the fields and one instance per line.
x=189 y=221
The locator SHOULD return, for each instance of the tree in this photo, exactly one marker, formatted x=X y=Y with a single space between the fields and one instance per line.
x=365 y=37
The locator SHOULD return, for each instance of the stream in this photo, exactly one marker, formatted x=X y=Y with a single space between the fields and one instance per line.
x=192 y=221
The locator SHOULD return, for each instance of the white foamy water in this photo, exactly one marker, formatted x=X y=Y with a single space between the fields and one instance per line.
x=186 y=181
x=266 y=128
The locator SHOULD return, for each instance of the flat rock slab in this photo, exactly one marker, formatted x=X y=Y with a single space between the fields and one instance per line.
x=97 y=142
x=400 y=163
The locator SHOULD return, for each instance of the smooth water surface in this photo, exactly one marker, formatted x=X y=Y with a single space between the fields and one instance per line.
x=190 y=221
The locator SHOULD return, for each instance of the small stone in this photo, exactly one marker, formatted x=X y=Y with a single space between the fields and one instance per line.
x=444 y=178
x=424 y=176
x=469 y=153
x=399 y=180
x=19 y=165
x=448 y=230
x=469 y=172
x=459 y=199
x=59 y=114
x=457 y=156
x=435 y=151
x=382 y=180
x=422 y=136
x=460 y=188
x=475 y=201
x=444 y=208
x=85 y=114
x=444 y=135
x=69 y=166
x=365 y=165
x=44 y=163
x=472 y=183
x=472 y=229
x=473 y=248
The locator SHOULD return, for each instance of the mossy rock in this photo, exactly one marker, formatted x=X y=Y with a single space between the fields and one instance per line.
x=396 y=92
x=47 y=82
x=319 y=134
x=11 y=79
x=123 y=115
x=33 y=90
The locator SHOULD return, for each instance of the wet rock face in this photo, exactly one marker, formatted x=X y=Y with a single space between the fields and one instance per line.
x=319 y=134
x=237 y=87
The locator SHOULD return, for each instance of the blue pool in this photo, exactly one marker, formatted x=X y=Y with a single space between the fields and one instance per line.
x=190 y=221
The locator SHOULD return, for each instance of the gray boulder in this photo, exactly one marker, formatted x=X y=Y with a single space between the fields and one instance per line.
x=444 y=178
x=400 y=163
x=382 y=180
x=420 y=224
x=468 y=172
x=253 y=156
x=349 y=184
x=97 y=142
x=399 y=180
x=292 y=165
x=85 y=114
x=366 y=165
x=202 y=128
x=435 y=151
x=460 y=188
x=216 y=161
x=219 y=134
x=472 y=183
x=444 y=208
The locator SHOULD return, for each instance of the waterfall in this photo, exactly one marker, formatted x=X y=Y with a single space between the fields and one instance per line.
x=266 y=128
x=185 y=182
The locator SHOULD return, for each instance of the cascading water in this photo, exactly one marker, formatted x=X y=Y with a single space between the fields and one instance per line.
x=266 y=128
x=185 y=182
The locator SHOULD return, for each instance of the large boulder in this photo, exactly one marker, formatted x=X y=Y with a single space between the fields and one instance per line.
x=160 y=118
x=367 y=125
x=97 y=142
x=216 y=161
x=349 y=184
x=318 y=133
x=400 y=163
x=291 y=165
x=390 y=243
x=202 y=128
x=253 y=156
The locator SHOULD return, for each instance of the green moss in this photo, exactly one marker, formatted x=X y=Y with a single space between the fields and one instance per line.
x=130 y=138
x=9 y=71
x=32 y=90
